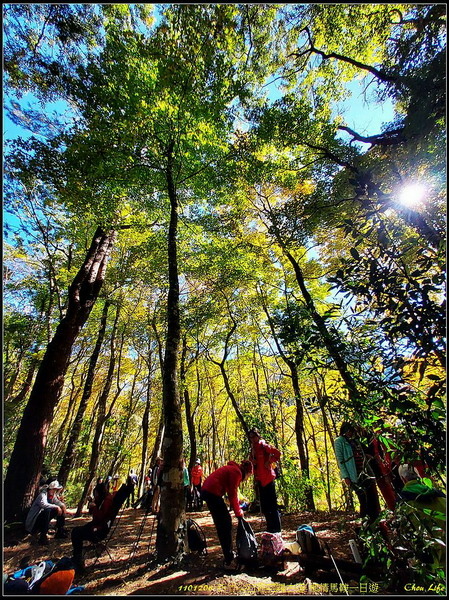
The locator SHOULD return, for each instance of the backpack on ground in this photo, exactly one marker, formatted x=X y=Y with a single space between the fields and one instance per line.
x=271 y=544
x=246 y=543
x=195 y=537
x=46 y=578
x=308 y=540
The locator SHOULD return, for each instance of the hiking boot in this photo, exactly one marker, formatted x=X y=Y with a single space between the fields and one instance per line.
x=62 y=534
x=43 y=540
x=231 y=566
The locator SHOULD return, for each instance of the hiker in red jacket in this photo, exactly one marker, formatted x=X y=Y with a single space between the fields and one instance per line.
x=225 y=480
x=263 y=456
x=102 y=511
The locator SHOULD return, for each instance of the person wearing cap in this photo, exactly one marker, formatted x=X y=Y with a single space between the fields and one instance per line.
x=47 y=506
x=264 y=456
x=116 y=483
x=196 y=476
x=225 y=480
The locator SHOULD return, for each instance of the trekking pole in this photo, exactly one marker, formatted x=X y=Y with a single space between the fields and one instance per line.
x=110 y=534
x=336 y=568
x=156 y=517
x=136 y=542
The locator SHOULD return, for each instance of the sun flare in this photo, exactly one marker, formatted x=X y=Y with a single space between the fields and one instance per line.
x=412 y=194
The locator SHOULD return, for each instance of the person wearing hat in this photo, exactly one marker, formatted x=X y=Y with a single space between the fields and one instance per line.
x=264 y=456
x=47 y=506
x=225 y=480
x=196 y=476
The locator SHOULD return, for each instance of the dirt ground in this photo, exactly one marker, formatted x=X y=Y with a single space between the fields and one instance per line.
x=129 y=569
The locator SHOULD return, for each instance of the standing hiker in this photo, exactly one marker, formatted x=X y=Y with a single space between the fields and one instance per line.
x=264 y=456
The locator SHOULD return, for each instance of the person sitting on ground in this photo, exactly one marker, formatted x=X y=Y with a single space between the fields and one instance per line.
x=46 y=507
x=102 y=511
x=264 y=456
x=225 y=480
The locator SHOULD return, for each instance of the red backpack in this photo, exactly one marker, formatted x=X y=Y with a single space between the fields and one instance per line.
x=271 y=544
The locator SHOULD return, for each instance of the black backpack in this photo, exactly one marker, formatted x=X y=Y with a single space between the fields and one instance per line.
x=195 y=537
x=308 y=541
x=246 y=543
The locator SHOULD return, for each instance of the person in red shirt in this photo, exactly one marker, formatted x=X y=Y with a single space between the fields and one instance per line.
x=103 y=509
x=196 y=476
x=263 y=456
x=225 y=480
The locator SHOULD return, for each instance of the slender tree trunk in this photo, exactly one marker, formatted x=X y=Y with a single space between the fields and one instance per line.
x=157 y=448
x=188 y=406
x=11 y=382
x=22 y=477
x=224 y=374
x=300 y=436
x=169 y=540
x=299 y=419
x=12 y=404
x=145 y=430
x=101 y=421
x=320 y=323
x=320 y=462
x=67 y=461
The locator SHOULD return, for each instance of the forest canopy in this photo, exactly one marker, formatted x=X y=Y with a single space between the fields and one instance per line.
x=202 y=236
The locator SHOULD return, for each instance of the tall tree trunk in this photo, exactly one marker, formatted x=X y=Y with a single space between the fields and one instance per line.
x=188 y=406
x=101 y=421
x=157 y=448
x=224 y=374
x=299 y=419
x=328 y=340
x=11 y=405
x=145 y=429
x=169 y=540
x=22 y=477
x=67 y=461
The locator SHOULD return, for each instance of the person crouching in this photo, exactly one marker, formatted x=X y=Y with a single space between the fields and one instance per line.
x=225 y=480
x=47 y=506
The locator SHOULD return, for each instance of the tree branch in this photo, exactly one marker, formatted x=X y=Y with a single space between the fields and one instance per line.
x=355 y=63
x=389 y=138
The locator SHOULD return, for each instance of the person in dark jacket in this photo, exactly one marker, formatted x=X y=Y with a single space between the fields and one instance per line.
x=225 y=481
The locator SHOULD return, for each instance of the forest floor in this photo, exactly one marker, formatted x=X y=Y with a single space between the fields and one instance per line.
x=129 y=571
